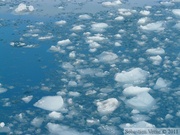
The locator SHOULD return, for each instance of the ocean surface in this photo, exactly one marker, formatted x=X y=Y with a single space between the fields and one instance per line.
x=89 y=67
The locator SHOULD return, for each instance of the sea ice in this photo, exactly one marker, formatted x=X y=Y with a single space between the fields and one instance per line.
x=64 y=42
x=107 y=106
x=99 y=27
x=143 y=102
x=161 y=83
x=37 y=122
x=27 y=99
x=85 y=17
x=144 y=12
x=50 y=103
x=143 y=20
x=55 y=48
x=140 y=124
x=156 y=60
x=55 y=115
x=157 y=26
x=61 y=22
x=22 y=8
x=108 y=57
x=135 y=90
x=139 y=117
x=57 y=129
x=155 y=51
x=176 y=11
x=112 y=4
x=2 y=90
x=134 y=76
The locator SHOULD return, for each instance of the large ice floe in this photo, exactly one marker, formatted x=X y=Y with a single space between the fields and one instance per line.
x=133 y=76
x=50 y=103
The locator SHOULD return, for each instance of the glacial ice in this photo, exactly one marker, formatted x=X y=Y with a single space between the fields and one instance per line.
x=107 y=106
x=50 y=103
x=133 y=76
x=143 y=102
x=135 y=90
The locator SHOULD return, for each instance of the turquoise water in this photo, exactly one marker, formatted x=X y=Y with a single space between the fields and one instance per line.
x=83 y=72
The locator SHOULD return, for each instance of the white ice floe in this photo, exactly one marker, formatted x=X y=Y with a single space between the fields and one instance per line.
x=50 y=103
x=96 y=38
x=112 y=4
x=109 y=130
x=37 y=122
x=108 y=57
x=139 y=117
x=78 y=28
x=72 y=84
x=119 y=18
x=27 y=99
x=140 y=124
x=55 y=115
x=135 y=90
x=126 y=12
x=61 y=22
x=176 y=12
x=23 y=8
x=4 y=129
x=156 y=60
x=2 y=90
x=157 y=26
x=55 y=48
x=107 y=106
x=64 y=42
x=155 y=51
x=177 y=25
x=74 y=94
x=142 y=102
x=99 y=27
x=144 y=12
x=85 y=17
x=133 y=76
x=57 y=129
x=161 y=83
x=143 y=20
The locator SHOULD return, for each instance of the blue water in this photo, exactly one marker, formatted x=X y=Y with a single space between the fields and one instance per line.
x=24 y=71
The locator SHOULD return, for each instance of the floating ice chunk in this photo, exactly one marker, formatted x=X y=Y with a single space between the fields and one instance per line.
x=74 y=94
x=125 y=12
x=22 y=8
x=157 y=26
x=145 y=12
x=176 y=11
x=134 y=76
x=175 y=0
x=143 y=20
x=72 y=54
x=57 y=129
x=168 y=116
x=99 y=27
x=78 y=28
x=109 y=130
x=155 y=51
x=85 y=17
x=112 y=4
x=161 y=83
x=61 y=22
x=96 y=38
x=119 y=18
x=177 y=25
x=140 y=124
x=107 y=106
x=64 y=42
x=139 y=117
x=72 y=84
x=37 y=122
x=135 y=90
x=50 y=103
x=108 y=57
x=156 y=60
x=55 y=48
x=55 y=115
x=143 y=102
x=2 y=90
x=4 y=129
x=167 y=3
x=27 y=99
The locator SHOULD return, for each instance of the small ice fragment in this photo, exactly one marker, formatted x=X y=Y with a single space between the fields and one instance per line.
x=108 y=57
x=99 y=27
x=37 y=122
x=55 y=115
x=157 y=26
x=155 y=51
x=107 y=106
x=64 y=42
x=176 y=11
x=27 y=99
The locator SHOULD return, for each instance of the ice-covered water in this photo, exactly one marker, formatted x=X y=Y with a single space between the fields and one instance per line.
x=88 y=67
